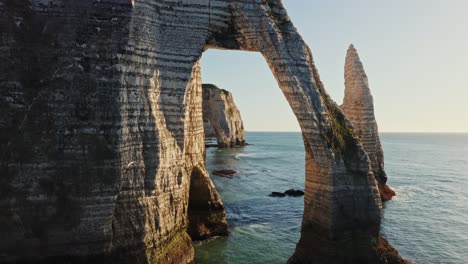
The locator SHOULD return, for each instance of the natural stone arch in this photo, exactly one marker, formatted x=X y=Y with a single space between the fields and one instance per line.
x=342 y=208
x=102 y=111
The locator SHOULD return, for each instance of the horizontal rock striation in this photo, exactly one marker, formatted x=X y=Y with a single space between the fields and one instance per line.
x=101 y=130
x=221 y=118
x=358 y=106
x=102 y=134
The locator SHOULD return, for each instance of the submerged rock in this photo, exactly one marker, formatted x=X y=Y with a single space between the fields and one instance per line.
x=224 y=173
x=277 y=194
x=290 y=192
x=358 y=106
x=221 y=118
x=293 y=192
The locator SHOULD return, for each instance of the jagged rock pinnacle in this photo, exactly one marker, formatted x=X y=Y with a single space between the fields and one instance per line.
x=358 y=107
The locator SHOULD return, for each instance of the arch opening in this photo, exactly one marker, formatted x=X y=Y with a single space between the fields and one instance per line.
x=342 y=207
x=273 y=163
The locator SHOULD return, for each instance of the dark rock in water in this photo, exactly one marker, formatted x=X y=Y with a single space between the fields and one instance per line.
x=277 y=194
x=293 y=192
x=224 y=173
x=290 y=192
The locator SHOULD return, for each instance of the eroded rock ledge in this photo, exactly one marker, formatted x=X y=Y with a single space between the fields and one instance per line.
x=358 y=106
x=221 y=118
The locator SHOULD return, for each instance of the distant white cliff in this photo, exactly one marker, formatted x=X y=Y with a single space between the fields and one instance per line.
x=221 y=118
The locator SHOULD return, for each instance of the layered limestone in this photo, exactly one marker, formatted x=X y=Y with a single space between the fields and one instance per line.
x=102 y=131
x=221 y=117
x=101 y=150
x=358 y=106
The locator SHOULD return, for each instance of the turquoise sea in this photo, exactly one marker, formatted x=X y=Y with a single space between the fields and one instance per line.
x=427 y=221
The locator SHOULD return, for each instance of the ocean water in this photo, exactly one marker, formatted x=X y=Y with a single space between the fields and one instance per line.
x=427 y=221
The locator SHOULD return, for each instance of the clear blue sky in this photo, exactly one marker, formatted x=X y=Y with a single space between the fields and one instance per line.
x=415 y=53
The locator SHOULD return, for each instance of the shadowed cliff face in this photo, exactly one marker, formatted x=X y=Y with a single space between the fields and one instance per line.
x=358 y=106
x=102 y=129
x=221 y=118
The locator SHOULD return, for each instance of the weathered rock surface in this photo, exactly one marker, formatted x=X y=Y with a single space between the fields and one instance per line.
x=207 y=217
x=358 y=106
x=221 y=118
x=101 y=132
x=101 y=150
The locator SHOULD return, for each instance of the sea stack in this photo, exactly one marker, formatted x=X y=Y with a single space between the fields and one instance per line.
x=358 y=106
x=221 y=118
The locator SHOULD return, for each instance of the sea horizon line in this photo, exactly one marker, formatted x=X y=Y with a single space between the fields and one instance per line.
x=381 y=132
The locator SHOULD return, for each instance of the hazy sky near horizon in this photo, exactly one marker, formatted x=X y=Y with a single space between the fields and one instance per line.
x=415 y=54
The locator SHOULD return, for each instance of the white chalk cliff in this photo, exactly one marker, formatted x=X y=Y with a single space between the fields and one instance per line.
x=101 y=143
x=358 y=106
x=221 y=117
